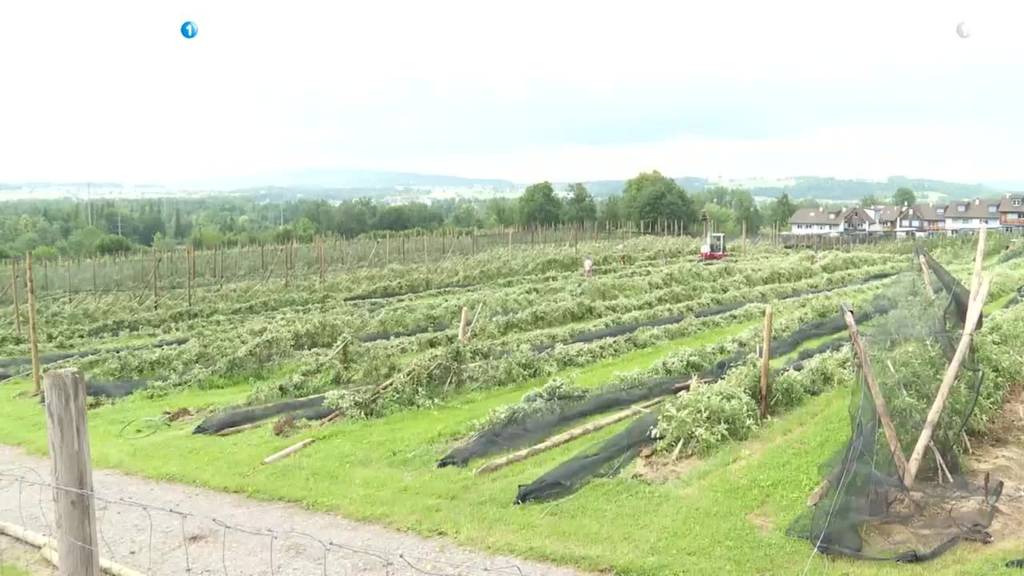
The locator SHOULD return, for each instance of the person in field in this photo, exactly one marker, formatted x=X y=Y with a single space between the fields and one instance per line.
x=588 y=267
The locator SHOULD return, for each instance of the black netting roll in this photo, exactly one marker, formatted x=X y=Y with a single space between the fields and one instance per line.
x=233 y=418
x=517 y=434
x=605 y=460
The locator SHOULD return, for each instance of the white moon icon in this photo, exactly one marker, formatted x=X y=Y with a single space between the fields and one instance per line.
x=962 y=31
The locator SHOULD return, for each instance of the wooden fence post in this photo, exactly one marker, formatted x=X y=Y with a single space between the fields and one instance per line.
x=189 y=266
x=766 y=358
x=14 y=295
x=77 y=545
x=463 y=324
x=32 y=342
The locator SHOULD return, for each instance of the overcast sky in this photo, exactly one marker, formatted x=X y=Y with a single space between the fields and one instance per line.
x=559 y=90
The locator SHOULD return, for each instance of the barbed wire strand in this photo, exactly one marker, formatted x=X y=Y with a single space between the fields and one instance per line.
x=414 y=562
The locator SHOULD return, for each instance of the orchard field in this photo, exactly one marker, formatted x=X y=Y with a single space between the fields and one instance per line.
x=388 y=388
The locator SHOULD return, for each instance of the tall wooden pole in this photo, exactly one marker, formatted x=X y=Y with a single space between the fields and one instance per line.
x=927 y=277
x=32 y=329
x=876 y=393
x=189 y=261
x=14 y=294
x=973 y=315
x=766 y=358
x=74 y=503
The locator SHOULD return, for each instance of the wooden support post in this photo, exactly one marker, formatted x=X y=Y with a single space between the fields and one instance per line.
x=979 y=256
x=927 y=277
x=33 y=342
x=77 y=545
x=93 y=261
x=766 y=358
x=189 y=261
x=156 y=276
x=14 y=295
x=463 y=324
x=743 y=244
x=973 y=315
x=67 y=277
x=876 y=393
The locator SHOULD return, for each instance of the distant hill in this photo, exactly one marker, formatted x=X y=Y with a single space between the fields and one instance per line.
x=352 y=179
x=605 y=188
x=834 y=189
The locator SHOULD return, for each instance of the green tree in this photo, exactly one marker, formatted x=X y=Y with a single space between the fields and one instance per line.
x=539 y=205
x=579 y=206
x=113 y=244
x=82 y=242
x=904 y=197
x=869 y=201
x=501 y=212
x=465 y=216
x=611 y=210
x=781 y=210
x=651 y=196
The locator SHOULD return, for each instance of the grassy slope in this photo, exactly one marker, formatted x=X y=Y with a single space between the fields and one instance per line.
x=727 y=516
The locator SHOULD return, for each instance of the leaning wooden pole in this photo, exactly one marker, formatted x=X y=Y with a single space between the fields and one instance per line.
x=926 y=274
x=973 y=315
x=566 y=437
x=766 y=359
x=33 y=342
x=876 y=393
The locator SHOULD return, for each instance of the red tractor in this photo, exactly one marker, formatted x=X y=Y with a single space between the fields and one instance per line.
x=713 y=248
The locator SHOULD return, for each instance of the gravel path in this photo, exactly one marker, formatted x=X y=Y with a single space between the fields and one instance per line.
x=261 y=538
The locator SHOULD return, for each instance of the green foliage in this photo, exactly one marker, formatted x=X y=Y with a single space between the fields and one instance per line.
x=539 y=206
x=651 y=197
x=702 y=420
x=579 y=206
x=781 y=210
x=904 y=197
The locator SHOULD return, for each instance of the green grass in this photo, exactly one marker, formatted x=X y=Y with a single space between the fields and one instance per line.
x=727 y=515
x=11 y=570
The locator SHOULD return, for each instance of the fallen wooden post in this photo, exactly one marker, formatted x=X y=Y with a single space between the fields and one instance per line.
x=876 y=393
x=971 y=322
x=47 y=549
x=567 y=436
x=288 y=451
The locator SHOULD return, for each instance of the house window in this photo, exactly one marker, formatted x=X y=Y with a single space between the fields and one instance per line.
x=940 y=211
x=1016 y=202
x=992 y=209
x=961 y=208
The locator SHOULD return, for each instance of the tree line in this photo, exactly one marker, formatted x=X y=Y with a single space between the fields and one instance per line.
x=66 y=228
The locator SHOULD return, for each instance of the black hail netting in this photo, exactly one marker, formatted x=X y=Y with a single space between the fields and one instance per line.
x=510 y=435
x=604 y=460
x=311 y=408
x=521 y=433
x=864 y=508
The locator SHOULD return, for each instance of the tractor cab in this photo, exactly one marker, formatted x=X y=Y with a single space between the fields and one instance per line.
x=713 y=247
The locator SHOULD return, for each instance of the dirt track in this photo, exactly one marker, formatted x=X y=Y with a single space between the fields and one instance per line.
x=262 y=538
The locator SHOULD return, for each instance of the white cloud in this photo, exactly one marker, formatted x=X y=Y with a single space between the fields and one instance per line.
x=526 y=90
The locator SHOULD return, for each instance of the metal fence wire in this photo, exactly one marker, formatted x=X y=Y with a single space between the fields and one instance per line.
x=161 y=540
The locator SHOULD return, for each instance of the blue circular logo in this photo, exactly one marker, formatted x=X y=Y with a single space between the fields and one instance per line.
x=189 y=29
